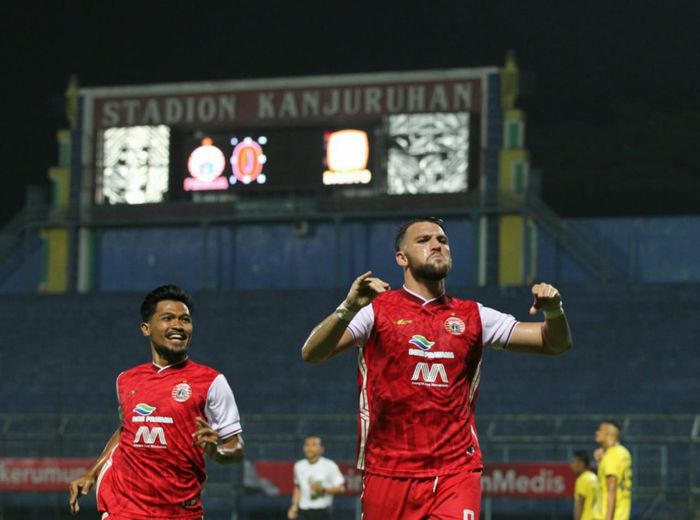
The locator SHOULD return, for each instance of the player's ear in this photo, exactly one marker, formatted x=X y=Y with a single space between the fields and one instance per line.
x=145 y=330
x=401 y=259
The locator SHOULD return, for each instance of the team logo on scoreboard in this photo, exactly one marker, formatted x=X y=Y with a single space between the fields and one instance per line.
x=421 y=342
x=181 y=392
x=454 y=325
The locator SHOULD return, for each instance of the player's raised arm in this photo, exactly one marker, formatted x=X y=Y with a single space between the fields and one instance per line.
x=82 y=486
x=551 y=337
x=330 y=337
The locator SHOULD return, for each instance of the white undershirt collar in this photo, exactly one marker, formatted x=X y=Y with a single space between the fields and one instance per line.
x=425 y=302
x=160 y=368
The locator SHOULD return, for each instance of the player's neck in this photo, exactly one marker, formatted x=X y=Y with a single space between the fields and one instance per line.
x=426 y=289
x=166 y=361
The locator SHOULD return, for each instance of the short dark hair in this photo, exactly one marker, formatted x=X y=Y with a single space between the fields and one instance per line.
x=613 y=423
x=159 y=294
x=401 y=233
x=583 y=457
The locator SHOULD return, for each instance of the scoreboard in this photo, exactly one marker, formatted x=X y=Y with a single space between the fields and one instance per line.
x=372 y=135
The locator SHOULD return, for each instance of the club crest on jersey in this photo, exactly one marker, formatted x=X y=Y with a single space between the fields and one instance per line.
x=421 y=342
x=454 y=325
x=144 y=409
x=181 y=392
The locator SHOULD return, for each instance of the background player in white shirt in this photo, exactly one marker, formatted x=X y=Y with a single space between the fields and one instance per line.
x=316 y=480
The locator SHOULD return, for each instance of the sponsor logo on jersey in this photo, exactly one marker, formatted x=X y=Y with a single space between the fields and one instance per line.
x=454 y=325
x=403 y=322
x=144 y=409
x=421 y=342
x=181 y=392
x=428 y=374
x=144 y=412
x=431 y=355
x=147 y=437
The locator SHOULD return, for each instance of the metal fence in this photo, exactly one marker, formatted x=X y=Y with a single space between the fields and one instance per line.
x=665 y=451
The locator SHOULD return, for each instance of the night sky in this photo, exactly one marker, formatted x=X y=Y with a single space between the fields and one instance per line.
x=612 y=89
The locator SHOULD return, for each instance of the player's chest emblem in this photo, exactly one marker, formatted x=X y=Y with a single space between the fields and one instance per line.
x=181 y=392
x=455 y=326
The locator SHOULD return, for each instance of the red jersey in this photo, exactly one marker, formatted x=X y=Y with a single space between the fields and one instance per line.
x=419 y=366
x=155 y=471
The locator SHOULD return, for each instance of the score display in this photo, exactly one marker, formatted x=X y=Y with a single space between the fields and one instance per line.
x=276 y=159
x=400 y=154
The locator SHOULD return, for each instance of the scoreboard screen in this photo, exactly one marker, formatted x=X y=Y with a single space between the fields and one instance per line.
x=399 y=154
x=274 y=159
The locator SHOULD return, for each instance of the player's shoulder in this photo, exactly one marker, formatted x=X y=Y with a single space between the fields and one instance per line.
x=621 y=452
x=463 y=303
x=203 y=370
x=590 y=476
x=138 y=369
x=388 y=301
x=615 y=455
x=392 y=295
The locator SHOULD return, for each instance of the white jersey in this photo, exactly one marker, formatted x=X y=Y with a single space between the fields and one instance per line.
x=323 y=471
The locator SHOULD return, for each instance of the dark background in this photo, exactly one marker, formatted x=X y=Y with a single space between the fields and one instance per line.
x=612 y=88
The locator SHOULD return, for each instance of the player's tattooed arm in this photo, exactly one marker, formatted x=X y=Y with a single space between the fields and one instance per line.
x=331 y=337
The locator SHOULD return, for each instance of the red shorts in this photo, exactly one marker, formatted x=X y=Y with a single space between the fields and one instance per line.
x=449 y=497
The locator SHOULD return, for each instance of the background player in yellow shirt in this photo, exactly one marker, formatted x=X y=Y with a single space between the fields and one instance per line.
x=614 y=472
x=587 y=489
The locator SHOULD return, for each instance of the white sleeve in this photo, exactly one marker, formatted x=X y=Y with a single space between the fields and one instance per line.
x=119 y=401
x=221 y=409
x=297 y=478
x=361 y=325
x=337 y=478
x=496 y=327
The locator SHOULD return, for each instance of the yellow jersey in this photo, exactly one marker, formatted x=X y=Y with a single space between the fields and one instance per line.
x=588 y=487
x=617 y=462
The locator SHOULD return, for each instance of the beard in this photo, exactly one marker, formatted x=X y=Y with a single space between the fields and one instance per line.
x=170 y=353
x=431 y=272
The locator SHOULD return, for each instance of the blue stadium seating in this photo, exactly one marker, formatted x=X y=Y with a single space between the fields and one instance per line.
x=632 y=352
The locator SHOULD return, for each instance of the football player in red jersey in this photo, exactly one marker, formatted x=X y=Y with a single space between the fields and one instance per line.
x=419 y=364
x=173 y=410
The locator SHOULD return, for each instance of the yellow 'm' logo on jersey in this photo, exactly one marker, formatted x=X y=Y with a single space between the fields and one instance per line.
x=403 y=322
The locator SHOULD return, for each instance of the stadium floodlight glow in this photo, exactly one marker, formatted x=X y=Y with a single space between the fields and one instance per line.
x=206 y=164
x=347 y=154
x=247 y=160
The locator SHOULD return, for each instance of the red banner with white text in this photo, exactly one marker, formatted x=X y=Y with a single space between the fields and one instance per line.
x=40 y=474
x=525 y=480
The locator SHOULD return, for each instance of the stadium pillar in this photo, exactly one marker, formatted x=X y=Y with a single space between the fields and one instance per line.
x=517 y=244
x=55 y=239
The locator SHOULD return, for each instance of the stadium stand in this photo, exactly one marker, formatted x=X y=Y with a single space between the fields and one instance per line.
x=68 y=350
